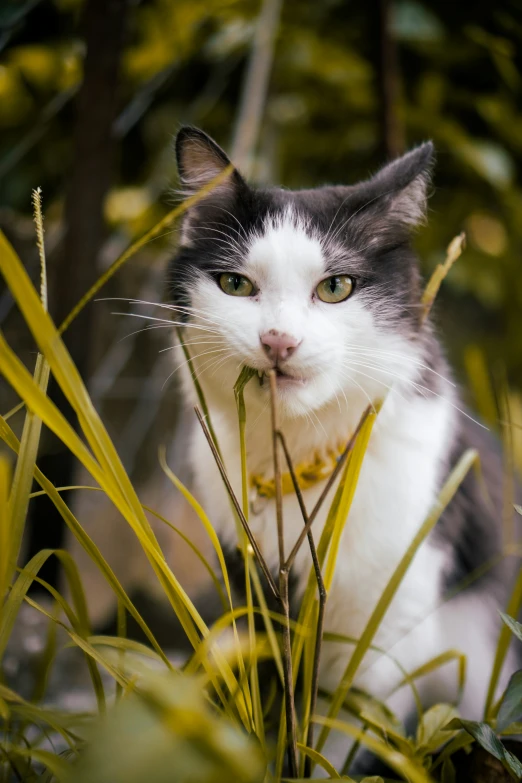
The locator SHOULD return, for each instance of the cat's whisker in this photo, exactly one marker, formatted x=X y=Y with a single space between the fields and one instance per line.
x=426 y=389
x=201 y=327
x=186 y=361
x=314 y=414
x=212 y=227
x=191 y=343
x=199 y=314
x=197 y=359
x=341 y=205
x=338 y=401
x=230 y=243
x=144 y=317
x=145 y=329
x=309 y=418
x=419 y=387
x=404 y=379
x=210 y=363
x=225 y=225
x=220 y=363
x=353 y=215
x=344 y=395
x=251 y=427
x=406 y=357
x=227 y=212
x=391 y=388
x=183 y=309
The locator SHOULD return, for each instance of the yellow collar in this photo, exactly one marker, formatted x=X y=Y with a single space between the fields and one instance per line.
x=308 y=474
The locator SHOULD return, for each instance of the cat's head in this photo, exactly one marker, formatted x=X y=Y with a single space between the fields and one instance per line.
x=320 y=284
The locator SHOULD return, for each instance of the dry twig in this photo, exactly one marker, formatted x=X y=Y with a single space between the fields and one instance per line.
x=322 y=603
x=291 y=722
x=237 y=505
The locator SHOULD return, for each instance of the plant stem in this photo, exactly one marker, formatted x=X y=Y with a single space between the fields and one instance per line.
x=237 y=506
x=322 y=605
x=199 y=390
x=338 y=468
x=255 y=86
x=291 y=723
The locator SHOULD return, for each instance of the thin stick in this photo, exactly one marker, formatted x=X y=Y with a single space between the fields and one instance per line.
x=255 y=86
x=338 y=468
x=199 y=390
x=322 y=605
x=237 y=506
x=291 y=722
x=455 y=248
x=277 y=470
x=38 y=220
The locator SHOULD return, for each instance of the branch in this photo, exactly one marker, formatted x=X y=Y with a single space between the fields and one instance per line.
x=291 y=721
x=322 y=605
x=388 y=84
x=255 y=85
x=237 y=506
x=338 y=468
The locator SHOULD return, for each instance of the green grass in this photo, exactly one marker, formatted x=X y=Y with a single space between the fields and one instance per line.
x=205 y=720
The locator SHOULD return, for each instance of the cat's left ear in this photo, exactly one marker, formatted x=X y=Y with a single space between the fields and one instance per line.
x=200 y=160
x=401 y=186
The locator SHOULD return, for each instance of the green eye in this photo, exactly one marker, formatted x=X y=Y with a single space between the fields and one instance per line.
x=235 y=285
x=335 y=289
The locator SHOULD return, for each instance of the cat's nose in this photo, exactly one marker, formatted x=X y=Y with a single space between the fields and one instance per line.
x=278 y=346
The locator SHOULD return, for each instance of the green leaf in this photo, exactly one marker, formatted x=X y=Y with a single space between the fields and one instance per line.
x=511 y=706
x=513 y=625
x=431 y=732
x=409 y=768
x=380 y=719
x=447 y=774
x=504 y=640
x=320 y=760
x=487 y=739
x=23 y=475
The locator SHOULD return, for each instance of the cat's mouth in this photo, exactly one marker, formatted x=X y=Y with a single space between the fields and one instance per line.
x=284 y=379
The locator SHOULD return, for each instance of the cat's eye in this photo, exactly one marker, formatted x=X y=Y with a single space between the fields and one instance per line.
x=335 y=289
x=235 y=285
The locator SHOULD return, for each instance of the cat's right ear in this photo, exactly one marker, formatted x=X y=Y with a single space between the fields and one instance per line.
x=200 y=160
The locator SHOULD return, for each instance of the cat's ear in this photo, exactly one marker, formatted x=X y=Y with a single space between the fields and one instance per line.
x=401 y=186
x=200 y=160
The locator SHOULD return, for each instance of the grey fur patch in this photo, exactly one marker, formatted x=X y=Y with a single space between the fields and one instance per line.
x=470 y=529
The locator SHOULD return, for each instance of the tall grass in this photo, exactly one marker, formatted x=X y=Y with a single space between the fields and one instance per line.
x=207 y=719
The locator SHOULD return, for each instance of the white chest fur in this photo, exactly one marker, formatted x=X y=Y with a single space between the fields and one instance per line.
x=398 y=484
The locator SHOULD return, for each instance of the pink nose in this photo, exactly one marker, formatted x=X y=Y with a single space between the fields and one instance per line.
x=278 y=346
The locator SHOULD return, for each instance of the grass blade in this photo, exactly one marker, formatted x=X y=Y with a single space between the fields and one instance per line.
x=23 y=475
x=5 y=530
x=408 y=768
x=447 y=492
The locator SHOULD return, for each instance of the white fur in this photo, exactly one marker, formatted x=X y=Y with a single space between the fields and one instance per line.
x=402 y=469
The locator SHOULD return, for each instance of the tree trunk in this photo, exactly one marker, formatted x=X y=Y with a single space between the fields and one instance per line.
x=77 y=266
x=392 y=131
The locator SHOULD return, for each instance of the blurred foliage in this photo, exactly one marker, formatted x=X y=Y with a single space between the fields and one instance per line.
x=460 y=84
x=165 y=731
x=189 y=723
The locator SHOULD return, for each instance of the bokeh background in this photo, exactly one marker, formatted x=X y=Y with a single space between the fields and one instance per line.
x=301 y=92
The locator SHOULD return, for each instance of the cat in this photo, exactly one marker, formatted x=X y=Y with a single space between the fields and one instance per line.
x=323 y=286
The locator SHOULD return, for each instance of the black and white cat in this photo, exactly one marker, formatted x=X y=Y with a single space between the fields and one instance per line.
x=323 y=286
